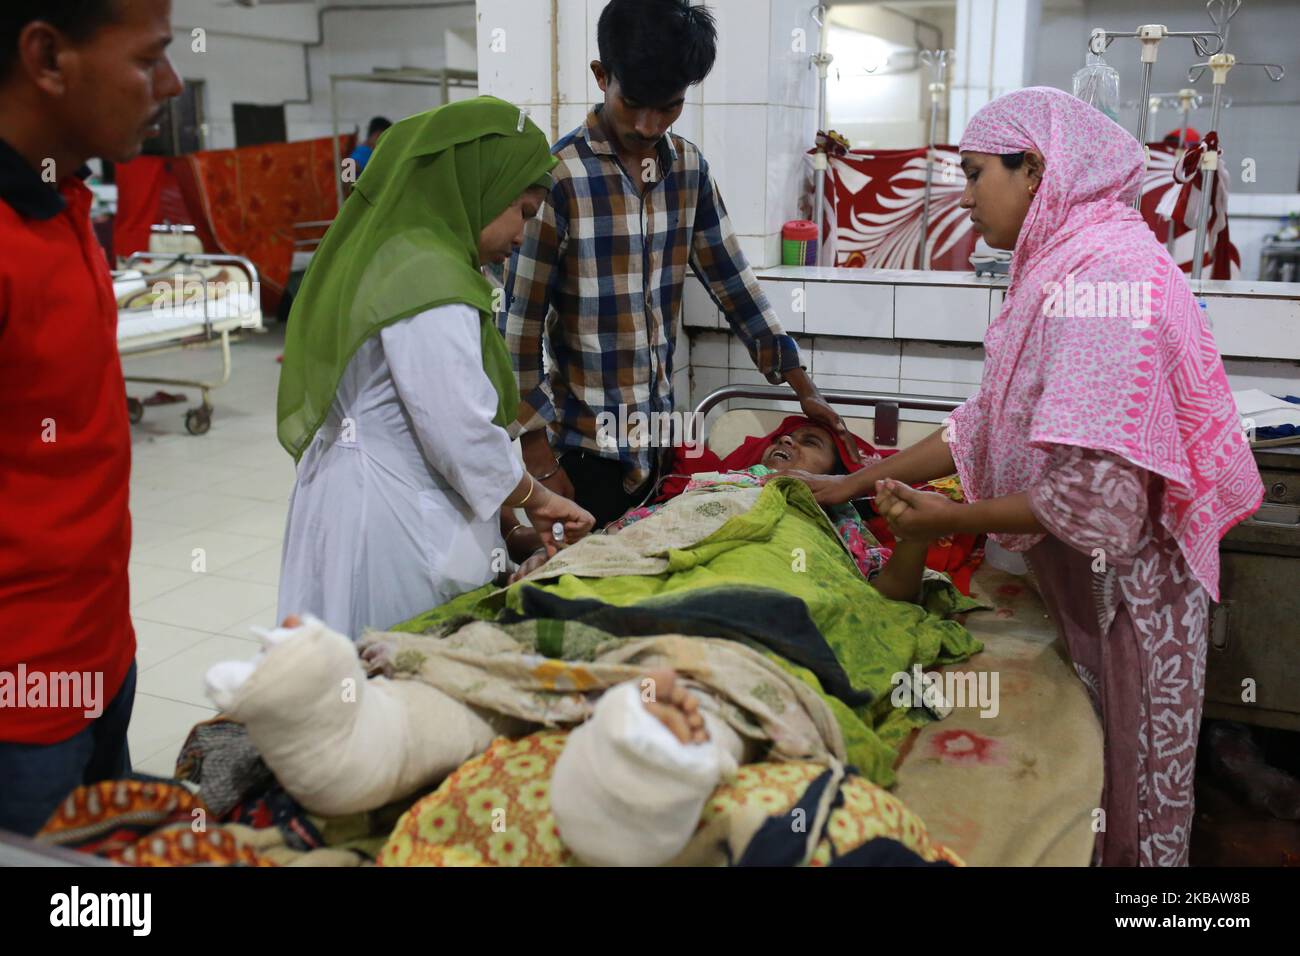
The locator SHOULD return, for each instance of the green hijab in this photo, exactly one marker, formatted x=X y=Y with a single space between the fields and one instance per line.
x=406 y=241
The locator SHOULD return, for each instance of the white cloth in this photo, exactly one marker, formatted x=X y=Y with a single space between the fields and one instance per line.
x=394 y=509
x=626 y=792
x=337 y=742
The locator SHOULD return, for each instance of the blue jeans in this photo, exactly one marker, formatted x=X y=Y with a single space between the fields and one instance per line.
x=35 y=778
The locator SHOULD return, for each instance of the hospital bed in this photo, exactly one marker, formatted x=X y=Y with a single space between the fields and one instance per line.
x=1018 y=788
x=170 y=299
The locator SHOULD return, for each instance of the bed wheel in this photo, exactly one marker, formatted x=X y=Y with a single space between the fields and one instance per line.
x=134 y=410
x=198 y=421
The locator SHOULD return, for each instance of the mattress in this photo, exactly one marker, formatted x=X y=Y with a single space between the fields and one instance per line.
x=160 y=321
x=1022 y=787
x=238 y=310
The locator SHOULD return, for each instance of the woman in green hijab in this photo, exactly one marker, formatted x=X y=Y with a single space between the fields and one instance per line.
x=396 y=386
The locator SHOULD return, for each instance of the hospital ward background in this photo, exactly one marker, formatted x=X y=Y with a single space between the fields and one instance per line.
x=934 y=713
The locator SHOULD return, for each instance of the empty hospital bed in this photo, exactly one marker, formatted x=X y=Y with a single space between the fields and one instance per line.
x=170 y=300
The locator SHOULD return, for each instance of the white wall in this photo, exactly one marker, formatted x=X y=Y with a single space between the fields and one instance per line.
x=994 y=40
x=258 y=55
x=920 y=334
x=752 y=117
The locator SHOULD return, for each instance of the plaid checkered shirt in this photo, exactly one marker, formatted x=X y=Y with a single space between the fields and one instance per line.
x=601 y=273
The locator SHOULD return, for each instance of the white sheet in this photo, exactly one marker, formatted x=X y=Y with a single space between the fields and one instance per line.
x=238 y=310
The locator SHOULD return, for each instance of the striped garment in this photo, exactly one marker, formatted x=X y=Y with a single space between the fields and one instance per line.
x=601 y=270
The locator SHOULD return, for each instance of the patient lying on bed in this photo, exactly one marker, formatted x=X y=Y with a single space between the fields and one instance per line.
x=659 y=720
x=799 y=444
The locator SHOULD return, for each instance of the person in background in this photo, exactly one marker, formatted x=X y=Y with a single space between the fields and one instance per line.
x=78 y=79
x=601 y=271
x=361 y=155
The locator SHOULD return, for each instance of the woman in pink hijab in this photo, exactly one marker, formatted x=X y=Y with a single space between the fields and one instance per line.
x=1103 y=442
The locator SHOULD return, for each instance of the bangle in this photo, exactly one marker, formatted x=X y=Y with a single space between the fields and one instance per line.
x=532 y=486
x=510 y=533
x=549 y=475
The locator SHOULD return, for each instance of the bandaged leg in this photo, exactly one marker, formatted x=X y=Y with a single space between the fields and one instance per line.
x=338 y=742
x=626 y=791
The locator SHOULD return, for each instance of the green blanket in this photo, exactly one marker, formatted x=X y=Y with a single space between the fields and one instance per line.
x=785 y=541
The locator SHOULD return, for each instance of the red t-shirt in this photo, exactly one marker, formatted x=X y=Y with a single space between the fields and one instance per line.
x=65 y=460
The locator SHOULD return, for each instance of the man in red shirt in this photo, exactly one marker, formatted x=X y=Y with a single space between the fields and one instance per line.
x=78 y=78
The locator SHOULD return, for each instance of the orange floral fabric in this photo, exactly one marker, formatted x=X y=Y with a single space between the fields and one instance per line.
x=496 y=811
x=143 y=823
x=249 y=199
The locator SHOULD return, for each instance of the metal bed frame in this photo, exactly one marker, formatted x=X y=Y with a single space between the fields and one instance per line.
x=198 y=419
x=928 y=403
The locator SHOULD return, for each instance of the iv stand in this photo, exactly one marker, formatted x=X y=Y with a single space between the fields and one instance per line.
x=1150 y=36
x=1221 y=12
x=1186 y=98
x=822 y=60
x=937 y=61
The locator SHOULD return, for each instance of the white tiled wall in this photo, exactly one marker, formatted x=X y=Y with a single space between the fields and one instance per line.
x=699 y=310
x=945 y=314
x=933 y=362
x=791 y=79
x=1276 y=378
x=788 y=301
x=1248 y=326
x=835 y=308
x=740 y=73
x=741 y=179
x=876 y=358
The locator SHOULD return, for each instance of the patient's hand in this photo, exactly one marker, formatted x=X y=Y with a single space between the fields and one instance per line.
x=535 y=561
x=379 y=658
x=914 y=514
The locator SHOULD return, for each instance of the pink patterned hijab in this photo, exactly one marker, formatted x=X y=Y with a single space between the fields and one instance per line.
x=1143 y=379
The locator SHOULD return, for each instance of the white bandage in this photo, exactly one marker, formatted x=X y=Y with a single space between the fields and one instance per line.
x=625 y=791
x=337 y=742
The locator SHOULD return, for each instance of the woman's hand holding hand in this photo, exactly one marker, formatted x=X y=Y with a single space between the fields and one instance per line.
x=912 y=513
x=546 y=509
x=827 y=489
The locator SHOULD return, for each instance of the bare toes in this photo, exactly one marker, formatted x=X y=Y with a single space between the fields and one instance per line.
x=673 y=719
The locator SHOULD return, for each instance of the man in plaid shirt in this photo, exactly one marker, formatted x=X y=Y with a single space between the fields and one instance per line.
x=601 y=269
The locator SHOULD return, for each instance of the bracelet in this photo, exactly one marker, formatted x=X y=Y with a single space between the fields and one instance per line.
x=532 y=486
x=510 y=533
x=549 y=475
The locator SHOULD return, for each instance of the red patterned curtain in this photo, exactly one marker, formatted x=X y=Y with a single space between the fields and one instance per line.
x=874 y=201
x=248 y=200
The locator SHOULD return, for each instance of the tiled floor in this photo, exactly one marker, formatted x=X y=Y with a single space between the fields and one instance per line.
x=208 y=517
